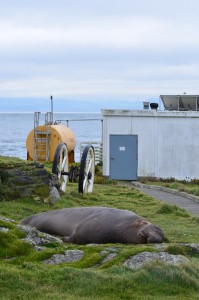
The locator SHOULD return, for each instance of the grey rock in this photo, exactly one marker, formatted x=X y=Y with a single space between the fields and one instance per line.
x=4 y=229
x=54 y=195
x=39 y=248
x=160 y=247
x=54 y=180
x=109 y=257
x=23 y=180
x=6 y=219
x=112 y=249
x=193 y=247
x=36 y=238
x=104 y=252
x=69 y=256
x=109 y=253
x=137 y=261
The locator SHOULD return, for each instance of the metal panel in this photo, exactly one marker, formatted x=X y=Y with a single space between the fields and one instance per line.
x=180 y=102
x=123 y=157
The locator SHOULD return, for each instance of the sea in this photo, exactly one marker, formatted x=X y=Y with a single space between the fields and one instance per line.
x=15 y=127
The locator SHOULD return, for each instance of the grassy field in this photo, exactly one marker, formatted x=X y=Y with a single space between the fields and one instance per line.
x=23 y=275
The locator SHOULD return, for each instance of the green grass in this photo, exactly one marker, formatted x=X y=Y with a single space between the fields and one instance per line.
x=32 y=281
x=190 y=187
x=177 y=224
x=23 y=275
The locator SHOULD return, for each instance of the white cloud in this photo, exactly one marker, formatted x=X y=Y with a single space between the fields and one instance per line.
x=119 y=33
x=86 y=48
x=41 y=87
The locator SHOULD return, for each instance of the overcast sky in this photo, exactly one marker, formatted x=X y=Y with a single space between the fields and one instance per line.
x=98 y=49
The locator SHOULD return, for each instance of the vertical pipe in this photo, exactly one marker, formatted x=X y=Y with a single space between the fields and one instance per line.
x=102 y=130
x=52 y=107
x=102 y=140
x=178 y=103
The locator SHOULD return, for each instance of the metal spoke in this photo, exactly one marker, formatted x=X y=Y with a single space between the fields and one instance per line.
x=87 y=168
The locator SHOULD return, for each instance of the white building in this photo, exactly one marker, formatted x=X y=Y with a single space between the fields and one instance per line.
x=162 y=144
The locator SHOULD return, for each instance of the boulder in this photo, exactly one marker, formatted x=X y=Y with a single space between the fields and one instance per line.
x=54 y=195
x=68 y=256
x=139 y=260
x=36 y=238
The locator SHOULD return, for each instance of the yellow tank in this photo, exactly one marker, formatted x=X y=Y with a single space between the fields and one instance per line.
x=46 y=140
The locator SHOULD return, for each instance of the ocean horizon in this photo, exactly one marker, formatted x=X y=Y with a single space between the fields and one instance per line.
x=15 y=127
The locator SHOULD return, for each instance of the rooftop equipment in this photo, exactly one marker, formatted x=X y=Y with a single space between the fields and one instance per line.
x=180 y=102
x=154 y=106
x=146 y=105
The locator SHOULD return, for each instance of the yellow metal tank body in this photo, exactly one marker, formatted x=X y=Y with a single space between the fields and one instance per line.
x=46 y=139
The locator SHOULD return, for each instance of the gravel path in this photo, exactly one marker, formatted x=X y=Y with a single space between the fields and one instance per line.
x=187 y=201
x=190 y=205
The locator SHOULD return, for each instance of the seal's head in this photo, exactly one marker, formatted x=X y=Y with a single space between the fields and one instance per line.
x=149 y=233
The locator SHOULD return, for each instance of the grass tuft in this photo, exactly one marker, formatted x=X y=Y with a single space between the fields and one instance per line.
x=172 y=209
x=178 y=250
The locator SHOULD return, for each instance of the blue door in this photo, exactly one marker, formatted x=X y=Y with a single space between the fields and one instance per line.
x=123 y=157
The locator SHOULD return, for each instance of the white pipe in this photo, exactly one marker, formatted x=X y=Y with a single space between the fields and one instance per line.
x=51 y=97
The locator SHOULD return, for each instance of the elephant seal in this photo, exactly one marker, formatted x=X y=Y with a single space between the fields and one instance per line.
x=84 y=225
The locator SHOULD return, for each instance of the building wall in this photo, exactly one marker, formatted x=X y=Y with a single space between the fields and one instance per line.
x=168 y=143
x=178 y=145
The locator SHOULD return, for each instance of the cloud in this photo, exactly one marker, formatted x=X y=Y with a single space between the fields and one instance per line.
x=98 y=47
x=103 y=33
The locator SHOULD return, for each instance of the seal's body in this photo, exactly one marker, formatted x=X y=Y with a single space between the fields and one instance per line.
x=83 y=225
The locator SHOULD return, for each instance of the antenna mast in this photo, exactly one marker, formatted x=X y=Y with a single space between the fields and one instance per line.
x=51 y=98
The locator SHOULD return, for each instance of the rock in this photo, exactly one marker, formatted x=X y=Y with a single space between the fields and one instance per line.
x=54 y=181
x=20 y=179
x=69 y=256
x=4 y=229
x=112 y=249
x=109 y=257
x=104 y=252
x=193 y=247
x=54 y=195
x=137 y=261
x=6 y=219
x=37 y=198
x=160 y=247
x=37 y=238
x=39 y=248
x=47 y=200
x=93 y=245
x=109 y=253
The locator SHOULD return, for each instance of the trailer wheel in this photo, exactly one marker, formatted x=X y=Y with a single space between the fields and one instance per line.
x=87 y=170
x=60 y=165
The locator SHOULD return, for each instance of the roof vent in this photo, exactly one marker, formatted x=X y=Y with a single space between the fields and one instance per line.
x=154 y=106
x=145 y=105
